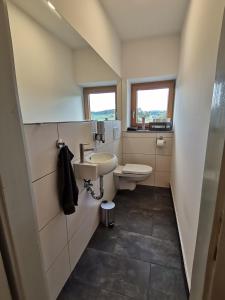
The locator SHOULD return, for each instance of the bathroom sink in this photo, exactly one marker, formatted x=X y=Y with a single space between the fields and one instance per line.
x=106 y=162
x=95 y=165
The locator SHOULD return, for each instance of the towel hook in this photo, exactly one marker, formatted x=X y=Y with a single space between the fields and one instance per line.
x=60 y=144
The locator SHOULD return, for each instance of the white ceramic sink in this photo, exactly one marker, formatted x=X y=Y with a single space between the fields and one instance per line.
x=106 y=162
x=95 y=165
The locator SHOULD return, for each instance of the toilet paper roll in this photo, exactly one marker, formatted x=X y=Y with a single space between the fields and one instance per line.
x=160 y=143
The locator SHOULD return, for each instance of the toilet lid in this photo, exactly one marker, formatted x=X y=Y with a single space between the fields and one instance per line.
x=136 y=169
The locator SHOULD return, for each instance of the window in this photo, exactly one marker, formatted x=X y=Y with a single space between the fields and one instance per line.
x=100 y=103
x=153 y=101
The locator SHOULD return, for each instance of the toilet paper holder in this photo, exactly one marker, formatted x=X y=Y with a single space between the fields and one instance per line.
x=160 y=142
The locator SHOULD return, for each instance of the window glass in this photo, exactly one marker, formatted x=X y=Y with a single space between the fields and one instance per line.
x=152 y=104
x=102 y=106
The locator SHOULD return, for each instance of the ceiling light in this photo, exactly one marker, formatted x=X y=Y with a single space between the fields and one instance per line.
x=51 y=5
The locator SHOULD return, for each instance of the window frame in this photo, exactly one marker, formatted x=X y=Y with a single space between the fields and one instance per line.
x=97 y=90
x=152 y=86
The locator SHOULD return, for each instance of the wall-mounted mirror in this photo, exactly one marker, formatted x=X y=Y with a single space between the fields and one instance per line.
x=59 y=76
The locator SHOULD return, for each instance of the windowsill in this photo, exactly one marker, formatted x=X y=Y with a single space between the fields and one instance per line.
x=148 y=131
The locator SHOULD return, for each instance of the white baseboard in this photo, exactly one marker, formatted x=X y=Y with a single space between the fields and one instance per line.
x=181 y=242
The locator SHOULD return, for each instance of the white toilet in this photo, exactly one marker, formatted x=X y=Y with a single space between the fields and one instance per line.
x=126 y=177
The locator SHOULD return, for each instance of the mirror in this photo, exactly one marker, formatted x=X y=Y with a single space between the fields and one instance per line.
x=60 y=77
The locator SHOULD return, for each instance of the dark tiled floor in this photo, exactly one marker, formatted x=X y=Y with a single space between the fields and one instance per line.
x=138 y=259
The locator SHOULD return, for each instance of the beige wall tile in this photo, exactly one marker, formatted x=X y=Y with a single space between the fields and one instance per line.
x=162 y=179
x=165 y=134
x=117 y=124
x=167 y=149
x=76 y=133
x=117 y=147
x=120 y=159
x=139 y=134
x=87 y=207
x=41 y=146
x=58 y=274
x=108 y=132
x=107 y=147
x=46 y=199
x=55 y=226
x=139 y=145
x=149 y=181
x=53 y=239
x=163 y=163
x=80 y=240
x=144 y=159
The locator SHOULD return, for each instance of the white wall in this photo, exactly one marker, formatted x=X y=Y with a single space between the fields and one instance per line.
x=151 y=57
x=90 y=20
x=192 y=111
x=89 y=67
x=44 y=71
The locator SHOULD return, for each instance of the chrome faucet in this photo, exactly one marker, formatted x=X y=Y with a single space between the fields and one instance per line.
x=82 y=150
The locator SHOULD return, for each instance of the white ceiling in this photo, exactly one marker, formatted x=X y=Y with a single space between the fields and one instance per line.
x=134 y=19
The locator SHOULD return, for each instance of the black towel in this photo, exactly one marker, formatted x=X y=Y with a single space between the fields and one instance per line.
x=68 y=190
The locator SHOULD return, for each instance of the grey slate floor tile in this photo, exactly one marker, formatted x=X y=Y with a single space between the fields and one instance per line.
x=135 y=221
x=76 y=290
x=157 y=295
x=137 y=246
x=105 y=271
x=169 y=281
x=165 y=232
x=138 y=259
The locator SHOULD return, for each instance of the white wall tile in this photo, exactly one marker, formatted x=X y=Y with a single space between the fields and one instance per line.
x=117 y=147
x=162 y=179
x=139 y=145
x=41 y=146
x=108 y=132
x=141 y=148
x=163 y=163
x=165 y=134
x=107 y=147
x=76 y=133
x=149 y=181
x=167 y=149
x=58 y=274
x=58 y=232
x=53 y=239
x=79 y=241
x=134 y=134
x=87 y=207
x=46 y=199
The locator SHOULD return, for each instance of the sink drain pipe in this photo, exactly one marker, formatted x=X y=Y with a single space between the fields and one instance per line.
x=89 y=187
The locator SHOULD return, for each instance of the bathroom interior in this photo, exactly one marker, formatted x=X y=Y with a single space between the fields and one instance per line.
x=130 y=89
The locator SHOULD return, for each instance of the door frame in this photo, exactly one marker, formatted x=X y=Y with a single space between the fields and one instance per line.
x=217 y=239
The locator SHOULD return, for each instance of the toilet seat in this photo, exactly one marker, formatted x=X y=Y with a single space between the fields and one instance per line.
x=132 y=170
x=136 y=169
x=127 y=177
